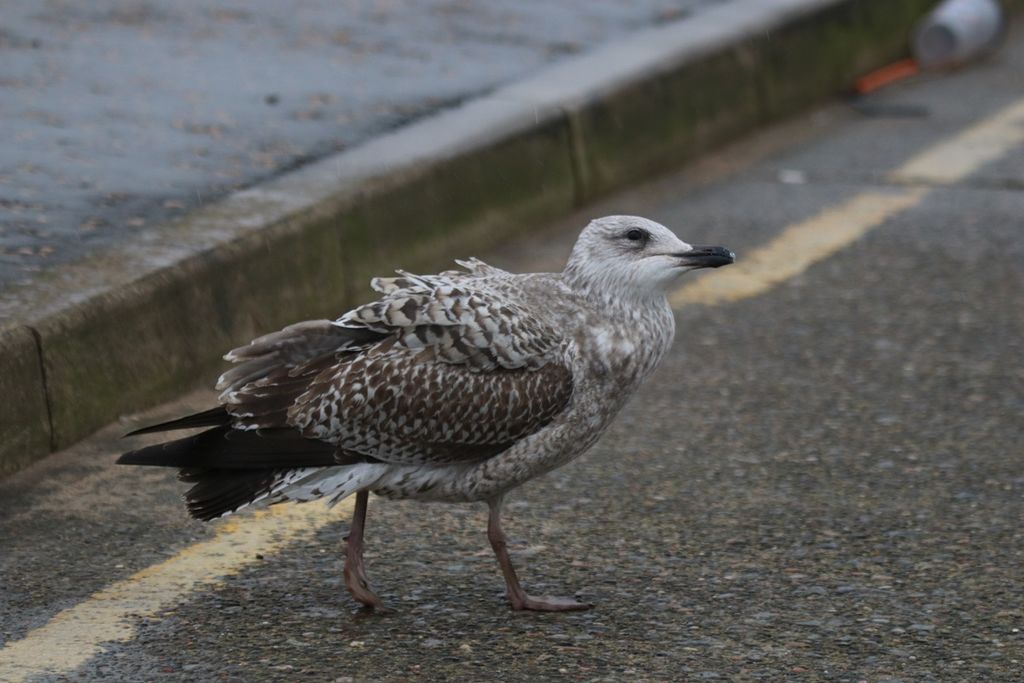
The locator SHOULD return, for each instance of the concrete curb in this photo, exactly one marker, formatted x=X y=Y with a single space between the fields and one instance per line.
x=24 y=414
x=145 y=321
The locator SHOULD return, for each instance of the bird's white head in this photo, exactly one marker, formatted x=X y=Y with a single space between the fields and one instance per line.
x=630 y=255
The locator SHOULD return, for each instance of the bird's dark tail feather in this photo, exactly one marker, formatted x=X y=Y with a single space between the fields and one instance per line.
x=219 y=492
x=214 y=417
x=231 y=468
x=224 y=448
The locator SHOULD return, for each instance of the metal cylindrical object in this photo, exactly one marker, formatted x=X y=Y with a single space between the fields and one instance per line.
x=957 y=31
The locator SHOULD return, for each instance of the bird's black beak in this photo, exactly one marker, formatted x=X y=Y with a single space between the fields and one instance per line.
x=706 y=257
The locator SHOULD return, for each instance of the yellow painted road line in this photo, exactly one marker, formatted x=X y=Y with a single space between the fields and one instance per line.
x=800 y=246
x=955 y=159
x=75 y=635
x=797 y=248
x=78 y=633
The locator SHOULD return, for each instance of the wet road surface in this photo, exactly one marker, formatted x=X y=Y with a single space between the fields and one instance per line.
x=825 y=480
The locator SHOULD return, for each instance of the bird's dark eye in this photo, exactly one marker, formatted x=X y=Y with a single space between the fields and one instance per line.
x=637 y=235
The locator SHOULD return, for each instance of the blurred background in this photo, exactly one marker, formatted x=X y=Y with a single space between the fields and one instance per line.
x=123 y=114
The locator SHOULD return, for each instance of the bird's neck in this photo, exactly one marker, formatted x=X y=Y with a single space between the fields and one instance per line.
x=617 y=300
x=639 y=320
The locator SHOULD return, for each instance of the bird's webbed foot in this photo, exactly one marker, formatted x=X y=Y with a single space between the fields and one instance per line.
x=356 y=581
x=517 y=597
x=546 y=603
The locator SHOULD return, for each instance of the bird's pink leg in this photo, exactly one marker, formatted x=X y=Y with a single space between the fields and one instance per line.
x=516 y=595
x=355 y=572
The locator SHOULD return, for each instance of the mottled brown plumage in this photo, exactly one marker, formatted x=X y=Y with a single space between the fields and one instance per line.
x=453 y=387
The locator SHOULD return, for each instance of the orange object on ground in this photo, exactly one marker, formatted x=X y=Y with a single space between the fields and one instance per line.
x=886 y=75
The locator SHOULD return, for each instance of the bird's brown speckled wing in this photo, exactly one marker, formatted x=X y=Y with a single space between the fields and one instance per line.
x=440 y=369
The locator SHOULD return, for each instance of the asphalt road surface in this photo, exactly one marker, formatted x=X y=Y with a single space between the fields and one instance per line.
x=823 y=483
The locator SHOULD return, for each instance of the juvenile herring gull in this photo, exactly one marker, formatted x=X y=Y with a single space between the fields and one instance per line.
x=455 y=387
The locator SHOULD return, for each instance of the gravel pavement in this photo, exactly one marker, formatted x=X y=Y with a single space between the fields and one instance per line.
x=823 y=483
x=120 y=115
